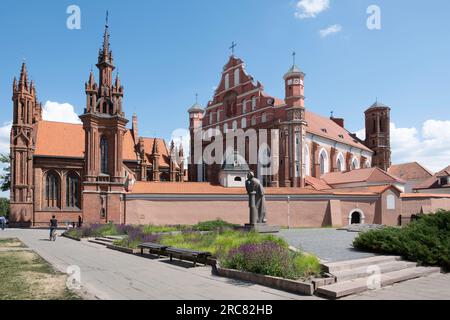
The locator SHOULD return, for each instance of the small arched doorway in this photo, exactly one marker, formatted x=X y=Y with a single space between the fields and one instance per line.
x=356 y=217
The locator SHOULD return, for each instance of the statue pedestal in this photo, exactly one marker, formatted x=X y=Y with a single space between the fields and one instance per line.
x=262 y=228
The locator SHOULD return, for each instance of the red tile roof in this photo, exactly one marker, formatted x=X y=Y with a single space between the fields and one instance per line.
x=60 y=139
x=444 y=173
x=198 y=188
x=317 y=124
x=317 y=184
x=409 y=171
x=424 y=195
x=360 y=175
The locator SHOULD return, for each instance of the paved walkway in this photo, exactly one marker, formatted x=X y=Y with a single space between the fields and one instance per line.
x=433 y=287
x=108 y=274
x=328 y=244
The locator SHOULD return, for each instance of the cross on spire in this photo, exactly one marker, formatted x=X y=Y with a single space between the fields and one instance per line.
x=293 y=57
x=107 y=18
x=233 y=45
x=196 y=98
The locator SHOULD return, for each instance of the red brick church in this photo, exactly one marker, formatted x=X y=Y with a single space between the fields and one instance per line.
x=310 y=145
x=74 y=170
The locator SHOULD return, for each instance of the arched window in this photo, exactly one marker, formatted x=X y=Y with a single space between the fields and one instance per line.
x=367 y=164
x=323 y=160
x=236 y=77
x=225 y=128
x=52 y=190
x=104 y=155
x=264 y=117
x=244 y=106
x=72 y=191
x=355 y=164
x=307 y=161
x=244 y=123
x=253 y=103
x=235 y=125
x=227 y=81
x=253 y=120
x=340 y=163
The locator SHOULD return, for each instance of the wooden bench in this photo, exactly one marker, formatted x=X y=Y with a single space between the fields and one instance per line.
x=187 y=253
x=155 y=247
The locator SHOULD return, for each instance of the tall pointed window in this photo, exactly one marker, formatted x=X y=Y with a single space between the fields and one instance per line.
x=52 y=190
x=323 y=160
x=72 y=191
x=236 y=77
x=104 y=155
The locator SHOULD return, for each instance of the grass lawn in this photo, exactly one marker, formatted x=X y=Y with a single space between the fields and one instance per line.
x=26 y=276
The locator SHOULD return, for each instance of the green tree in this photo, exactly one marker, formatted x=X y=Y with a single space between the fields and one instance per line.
x=4 y=207
x=5 y=176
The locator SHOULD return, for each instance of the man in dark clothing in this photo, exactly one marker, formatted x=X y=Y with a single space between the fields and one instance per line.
x=80 y=221
x=53 y=225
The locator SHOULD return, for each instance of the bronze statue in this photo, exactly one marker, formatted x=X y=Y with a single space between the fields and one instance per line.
x=257 y=199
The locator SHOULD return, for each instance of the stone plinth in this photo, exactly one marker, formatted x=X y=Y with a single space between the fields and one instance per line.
x=261 y=228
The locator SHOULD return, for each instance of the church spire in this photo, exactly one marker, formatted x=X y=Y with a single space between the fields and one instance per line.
x=23 y=82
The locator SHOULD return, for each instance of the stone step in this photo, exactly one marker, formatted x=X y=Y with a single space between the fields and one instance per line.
x=105 y=239
x=359 y=285
x=358 y=263
x=366 y=271
x=97 y=241
x=114 y=238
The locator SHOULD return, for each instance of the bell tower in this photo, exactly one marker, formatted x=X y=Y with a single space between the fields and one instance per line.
x=104 y=124
x=378 y=134
x=26 y=112
x=293 y=130
x=195 y=169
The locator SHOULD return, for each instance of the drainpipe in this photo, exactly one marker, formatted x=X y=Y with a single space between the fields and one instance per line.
x=289 y=212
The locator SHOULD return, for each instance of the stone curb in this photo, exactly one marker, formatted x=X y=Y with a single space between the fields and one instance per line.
x=294 y=286
x=123 y=249
x=70 y=237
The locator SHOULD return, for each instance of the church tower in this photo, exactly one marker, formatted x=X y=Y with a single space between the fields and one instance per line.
x=293 y=130
x=195 y=168
x=26 y=112
x=104 y=124
x=378 y=139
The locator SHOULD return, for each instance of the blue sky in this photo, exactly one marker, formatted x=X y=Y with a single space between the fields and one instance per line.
x=166 y=51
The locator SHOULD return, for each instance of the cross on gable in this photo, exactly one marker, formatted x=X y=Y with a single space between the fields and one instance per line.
x=233 y=45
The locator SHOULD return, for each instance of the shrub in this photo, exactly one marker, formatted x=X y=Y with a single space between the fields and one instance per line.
x=273 y=259
x=213 y=225
x=426 y=240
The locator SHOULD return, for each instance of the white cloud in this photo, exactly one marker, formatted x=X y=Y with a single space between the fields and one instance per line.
x=62 y=112
x=429 y=145
x=330 y=30
x=310 y=8
x=5 y=132
x=182 y=136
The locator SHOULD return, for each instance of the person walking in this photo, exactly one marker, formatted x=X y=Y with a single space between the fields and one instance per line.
x=2 y=222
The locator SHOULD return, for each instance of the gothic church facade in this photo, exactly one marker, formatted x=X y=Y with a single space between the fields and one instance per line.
x=73 y=170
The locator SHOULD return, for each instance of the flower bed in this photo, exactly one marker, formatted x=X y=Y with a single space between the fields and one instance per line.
x=272 y=259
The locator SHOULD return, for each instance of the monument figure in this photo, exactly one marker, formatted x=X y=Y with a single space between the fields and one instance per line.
x=257 y=206
x=257 y=199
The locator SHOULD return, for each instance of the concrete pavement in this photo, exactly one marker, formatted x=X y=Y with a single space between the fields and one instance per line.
x=108 y=274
